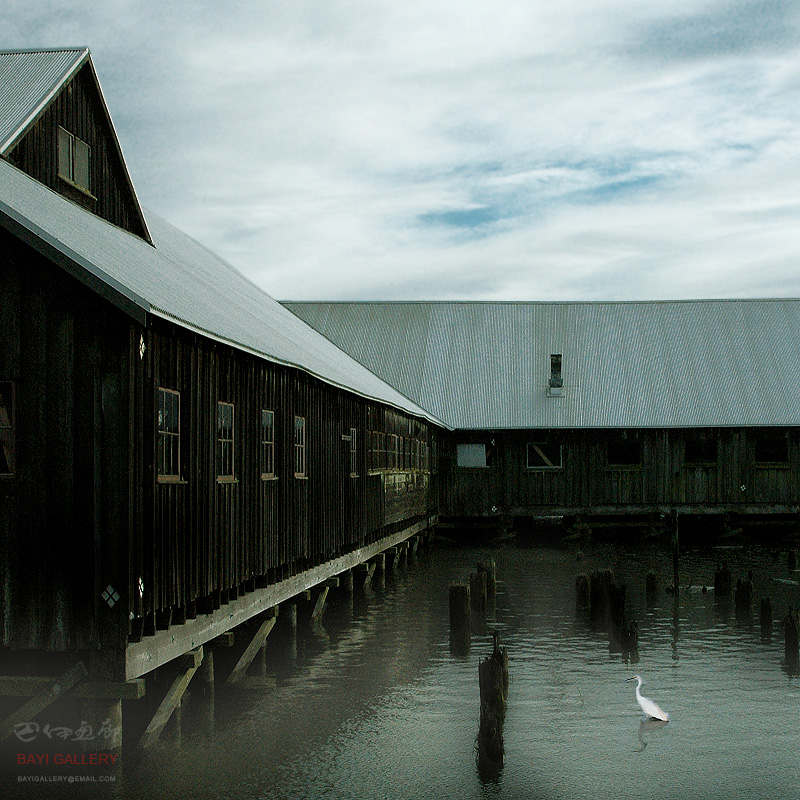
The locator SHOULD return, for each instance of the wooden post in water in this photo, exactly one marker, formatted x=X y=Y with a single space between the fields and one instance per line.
x=599 y=584
x=616 y=617
x=743 y=599
x=722 y=582
x=489 y=568
x=766 y=619
x=675 y=553
x=460 y=619
x=477 y=589
x=790 y=633
x=493 y=680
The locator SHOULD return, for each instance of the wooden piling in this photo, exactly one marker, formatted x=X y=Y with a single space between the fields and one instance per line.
x=460 y=618
x=489 y=568
x=493 y=682
x=477 y=590
x=743 y=600
x=616 y=617
x=675 y=554
x=791 y=628
x=722 y=581
x=766 y=619
x=599 y=583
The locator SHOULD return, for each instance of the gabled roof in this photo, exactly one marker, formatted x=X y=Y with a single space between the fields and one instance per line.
x=30 y=80
x=179 y=280
x=704 y=363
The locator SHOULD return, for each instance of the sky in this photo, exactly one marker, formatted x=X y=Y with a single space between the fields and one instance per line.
x=442 y=150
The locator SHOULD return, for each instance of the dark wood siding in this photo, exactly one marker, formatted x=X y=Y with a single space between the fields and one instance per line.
x=66 y=513
x=585 y=480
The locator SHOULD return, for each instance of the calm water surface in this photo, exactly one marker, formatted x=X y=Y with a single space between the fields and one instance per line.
x=376 y=706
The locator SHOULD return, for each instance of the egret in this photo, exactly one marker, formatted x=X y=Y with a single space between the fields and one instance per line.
x=647 y=705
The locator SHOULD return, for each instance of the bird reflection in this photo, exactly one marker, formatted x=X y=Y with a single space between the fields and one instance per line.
x=648 y=726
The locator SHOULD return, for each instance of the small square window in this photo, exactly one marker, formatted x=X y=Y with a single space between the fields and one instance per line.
x=544 y=455
x=225 y=441
x=300 y=447
x=624 y=452
x=267 y=443
x=74 y=159
x=169 y=434
x=700 y=449
x=471 y=455
x=772 y=447
x=353 y=453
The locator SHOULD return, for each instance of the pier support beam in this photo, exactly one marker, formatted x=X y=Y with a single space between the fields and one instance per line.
x=252 y=649
x=190 y=663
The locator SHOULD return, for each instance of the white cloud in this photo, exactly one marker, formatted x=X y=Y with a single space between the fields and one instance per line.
x=500 y=151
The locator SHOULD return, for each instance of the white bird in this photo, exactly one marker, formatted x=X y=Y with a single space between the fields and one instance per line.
x=647 y=705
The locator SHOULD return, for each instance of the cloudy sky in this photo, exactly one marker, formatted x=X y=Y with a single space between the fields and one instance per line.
x=433 y=149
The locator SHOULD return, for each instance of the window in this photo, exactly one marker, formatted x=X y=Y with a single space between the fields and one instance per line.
x=471 y=455
x=267 y=443
x=169 y=434
x=544 y=455
x=624 y=452
x=7 y=423
x=772 y=447
x=700 y=449
x=73 y=159
x=353 y=454
x=300 y=447
x=225 y=441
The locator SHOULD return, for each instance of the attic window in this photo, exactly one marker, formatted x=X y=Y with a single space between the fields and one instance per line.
x=73 y=159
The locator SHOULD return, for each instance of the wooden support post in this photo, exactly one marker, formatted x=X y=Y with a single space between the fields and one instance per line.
x=319 y=608
x=489 y=568
x=460 y=619
x=493 y=681
x=766 y=619
x=347 y=580
x=53 y=690
x=191 y=661
x=616 y=618
x=477 y=590
x=675 y=554
x=722 y=582
x=379 y=578
x=743 y=600
x=791 y=630
x=252 y=649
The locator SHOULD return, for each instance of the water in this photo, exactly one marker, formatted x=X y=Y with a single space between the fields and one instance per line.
x=377 y=707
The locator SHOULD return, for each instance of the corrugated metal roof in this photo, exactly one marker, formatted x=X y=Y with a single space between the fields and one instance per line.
x=29 y=80
x=181 y=280
x=703 y=363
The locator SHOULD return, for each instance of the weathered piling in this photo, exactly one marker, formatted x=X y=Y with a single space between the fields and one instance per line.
x=493 y=681
x=581 y=596
x=477 y=589
x=743 y=600
x=722 y=581
x=460 y=618
x=599 y=584
x=489 y=568
x=630 y=639
x=616 y=617
x=651 y=589
x=791 y=628
x=766 y=619
x=676 y=584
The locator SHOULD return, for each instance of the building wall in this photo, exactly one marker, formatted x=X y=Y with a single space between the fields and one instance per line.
x=83 y=507
x=66 y=505
x=749 y=468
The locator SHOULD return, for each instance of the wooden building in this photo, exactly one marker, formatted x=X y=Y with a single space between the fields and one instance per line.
x=178 y=452
x=596 y=409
